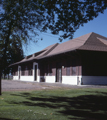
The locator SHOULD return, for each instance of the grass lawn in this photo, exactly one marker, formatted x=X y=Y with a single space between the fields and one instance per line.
x=68 y=104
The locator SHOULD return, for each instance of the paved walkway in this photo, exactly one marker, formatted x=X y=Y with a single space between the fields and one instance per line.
x=13 y=85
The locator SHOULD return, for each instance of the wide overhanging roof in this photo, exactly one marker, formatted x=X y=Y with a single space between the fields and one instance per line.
x=90 y=42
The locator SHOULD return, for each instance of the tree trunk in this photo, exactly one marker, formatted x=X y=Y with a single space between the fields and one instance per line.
x=0 y=82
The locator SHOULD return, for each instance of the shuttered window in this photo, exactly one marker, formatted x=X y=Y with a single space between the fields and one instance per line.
x=49 y=70
x=30 y=69
x=74 y=70
x=23 y=70
x=68 y=68
x=30 y=72
x=74 y=67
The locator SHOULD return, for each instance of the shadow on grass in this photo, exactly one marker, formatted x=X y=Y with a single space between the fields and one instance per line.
x=85 y=106
x=7 y=119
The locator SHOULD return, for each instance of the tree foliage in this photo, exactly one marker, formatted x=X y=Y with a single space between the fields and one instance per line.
x=68 y=15
x=14 y=54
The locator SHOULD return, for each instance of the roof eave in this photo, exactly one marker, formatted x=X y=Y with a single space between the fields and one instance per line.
x=17 y=63
x=57 y=54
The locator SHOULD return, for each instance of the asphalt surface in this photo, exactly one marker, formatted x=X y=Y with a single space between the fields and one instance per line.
x=14 y=85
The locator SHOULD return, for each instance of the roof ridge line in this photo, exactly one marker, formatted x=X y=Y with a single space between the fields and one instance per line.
x=102 y=40
x=50 y=49
x=88 y=38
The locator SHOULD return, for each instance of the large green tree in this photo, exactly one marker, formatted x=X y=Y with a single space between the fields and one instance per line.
x=16 y=19
x=21 y=18
x=14 y=53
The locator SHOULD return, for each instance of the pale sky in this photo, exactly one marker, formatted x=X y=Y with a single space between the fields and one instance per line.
x=98 y=25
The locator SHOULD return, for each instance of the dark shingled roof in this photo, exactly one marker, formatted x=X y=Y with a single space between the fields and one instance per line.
x=91 y=41
x=95 y=42
x=37 y=54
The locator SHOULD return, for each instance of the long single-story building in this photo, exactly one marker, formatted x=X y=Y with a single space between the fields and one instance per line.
x=80 y=61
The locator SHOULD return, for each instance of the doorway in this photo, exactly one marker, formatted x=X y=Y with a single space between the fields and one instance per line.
x=59 y=73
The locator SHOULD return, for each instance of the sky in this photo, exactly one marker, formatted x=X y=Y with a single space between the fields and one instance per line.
x=97 y=25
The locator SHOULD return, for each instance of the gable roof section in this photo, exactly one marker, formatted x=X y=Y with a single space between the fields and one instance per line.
x=37 y=54
x=69 y=45
x=95 y=42
x=90 y=41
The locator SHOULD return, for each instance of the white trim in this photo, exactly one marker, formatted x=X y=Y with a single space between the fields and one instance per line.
x=94 y=80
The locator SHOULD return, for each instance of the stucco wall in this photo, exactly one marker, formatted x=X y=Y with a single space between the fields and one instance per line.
x=94 y=80
x=27 y=78
x=15 y=77
x=50 y=79
x=71 y=80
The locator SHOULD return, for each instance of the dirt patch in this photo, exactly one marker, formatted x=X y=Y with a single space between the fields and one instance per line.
x=14 y=85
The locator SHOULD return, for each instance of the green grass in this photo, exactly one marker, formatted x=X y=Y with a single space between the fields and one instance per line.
x=71 y=104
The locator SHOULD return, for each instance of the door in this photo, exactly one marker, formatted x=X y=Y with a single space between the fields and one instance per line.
x=35 y=72
x=59 y=73
x=19 y=73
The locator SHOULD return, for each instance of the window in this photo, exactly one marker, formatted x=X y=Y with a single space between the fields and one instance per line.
x=68 y=68
x=74 y=67
x=30 y=69
x=68 y=71
x=23 y=70
x=30 y=72
x=73 y=70
x=49 y=70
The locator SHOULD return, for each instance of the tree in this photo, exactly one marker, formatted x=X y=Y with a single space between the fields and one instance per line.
x=67 y=16
x=20 y=17
x=16 y=19
x=14 y=53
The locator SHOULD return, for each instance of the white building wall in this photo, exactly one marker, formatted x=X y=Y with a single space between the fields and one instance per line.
x=27 y=78
x=15 y=77
x=94 y=80
x=73 y=80
x=38 y=78
x=50 y=79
